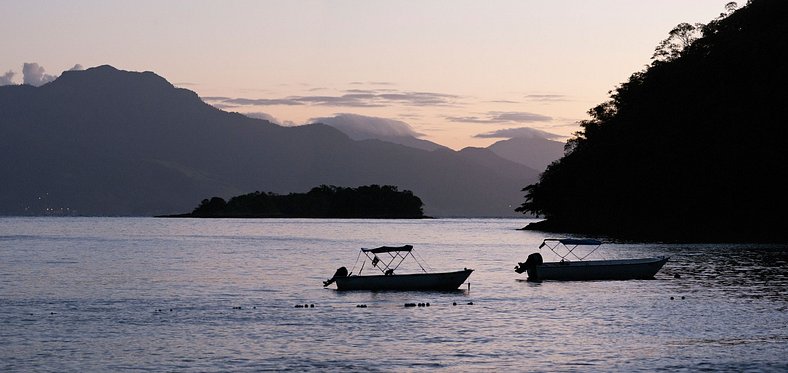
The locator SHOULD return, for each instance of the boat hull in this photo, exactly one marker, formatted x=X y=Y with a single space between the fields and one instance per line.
x=623 y=269
x=417 y=281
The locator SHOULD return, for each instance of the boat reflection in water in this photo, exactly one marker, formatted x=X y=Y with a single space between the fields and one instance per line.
x=388 y=279
x=585 y=270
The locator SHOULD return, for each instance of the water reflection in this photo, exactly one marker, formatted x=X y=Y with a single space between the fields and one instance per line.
x=219 y=295
x=738 y=271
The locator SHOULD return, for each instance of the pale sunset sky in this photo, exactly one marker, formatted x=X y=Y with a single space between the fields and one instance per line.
x=460 y=73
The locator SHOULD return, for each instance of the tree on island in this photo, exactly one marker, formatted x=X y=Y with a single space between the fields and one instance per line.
x=325 y=201
x=694 y=147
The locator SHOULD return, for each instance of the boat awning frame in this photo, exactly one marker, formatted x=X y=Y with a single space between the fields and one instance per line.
x=387 y=249
x=572 y=241
x=397 y=254
x=569 y=245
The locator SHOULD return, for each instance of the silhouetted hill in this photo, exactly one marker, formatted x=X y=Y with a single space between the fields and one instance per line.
x=534 y=152
x=108 y=142
x=486 y=158
x=360 y=127
x=413 y=142
x=695 y=147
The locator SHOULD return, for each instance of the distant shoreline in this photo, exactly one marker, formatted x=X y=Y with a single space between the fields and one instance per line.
x=688 y=235
x=191 y=216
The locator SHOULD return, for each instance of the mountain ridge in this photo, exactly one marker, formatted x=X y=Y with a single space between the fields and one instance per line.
x=104 y=141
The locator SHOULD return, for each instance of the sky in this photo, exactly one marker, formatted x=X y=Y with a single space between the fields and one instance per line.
x=456 y=72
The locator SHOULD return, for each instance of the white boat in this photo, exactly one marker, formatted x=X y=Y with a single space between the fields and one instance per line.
x=389 y=280
x=579 y=269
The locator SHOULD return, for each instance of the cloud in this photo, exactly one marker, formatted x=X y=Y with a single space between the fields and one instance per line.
x=270 y=118
x=224 y=106
x=34 y=75
x=419 y=98
x=546 y=98
x=261 y=101
x=346 y=100
x=352 y=98
x=7 y=78
x=373 y=83
x=521 y=132
x=505 y=102
x=263 y=116
x=502 y=117
x=360 y=127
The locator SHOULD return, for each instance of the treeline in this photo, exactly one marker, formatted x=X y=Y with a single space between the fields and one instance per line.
x=325 y=201
x=693 y=148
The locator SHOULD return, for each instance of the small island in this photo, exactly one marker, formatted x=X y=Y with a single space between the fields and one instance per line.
x=325 y=201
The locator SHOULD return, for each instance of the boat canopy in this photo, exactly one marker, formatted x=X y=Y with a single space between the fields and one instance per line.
x=388 y=249
x=564 y=247
x=572 y=241
x=391 y=259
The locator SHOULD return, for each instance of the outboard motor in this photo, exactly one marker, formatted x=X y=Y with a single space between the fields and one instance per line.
x=533 y=260
x=341 y=272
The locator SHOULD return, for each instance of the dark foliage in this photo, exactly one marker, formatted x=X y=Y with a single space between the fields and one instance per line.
x=693 y=148
x=373 y=201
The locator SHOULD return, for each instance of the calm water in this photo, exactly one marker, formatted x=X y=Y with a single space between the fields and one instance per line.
x=114 y=294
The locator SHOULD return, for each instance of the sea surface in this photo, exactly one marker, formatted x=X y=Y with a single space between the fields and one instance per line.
x=203 y=295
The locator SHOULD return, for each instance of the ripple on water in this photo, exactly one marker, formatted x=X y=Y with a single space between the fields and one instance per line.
x=104 y=294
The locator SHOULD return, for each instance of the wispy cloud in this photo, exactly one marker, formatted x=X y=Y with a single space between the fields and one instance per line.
x=224 y=106
x=263 y=116
x=346 y=100
x=502 y=117
x=270 y=118
x=262 y=101
x=521 y=132
x=351 y=98
x=361 y=127
x=546 y=98
x=420 y=98
x=373 y=83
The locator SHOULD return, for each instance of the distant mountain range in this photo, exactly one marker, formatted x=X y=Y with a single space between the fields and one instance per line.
x=534 y=152
x=530 y=149
x=108 y=142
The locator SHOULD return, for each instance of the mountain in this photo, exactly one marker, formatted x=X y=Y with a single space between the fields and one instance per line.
x=693 y=148
x=413 y=142
x=488 y=159
x=359 y=127
x=362 y=127
x=108 y=142
x=534 y=152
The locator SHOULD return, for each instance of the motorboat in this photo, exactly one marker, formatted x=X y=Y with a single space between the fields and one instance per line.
x=573 y=265
x=386 y=260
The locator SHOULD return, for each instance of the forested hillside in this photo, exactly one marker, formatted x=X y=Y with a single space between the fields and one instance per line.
x=692 y=148
x=325 y=201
